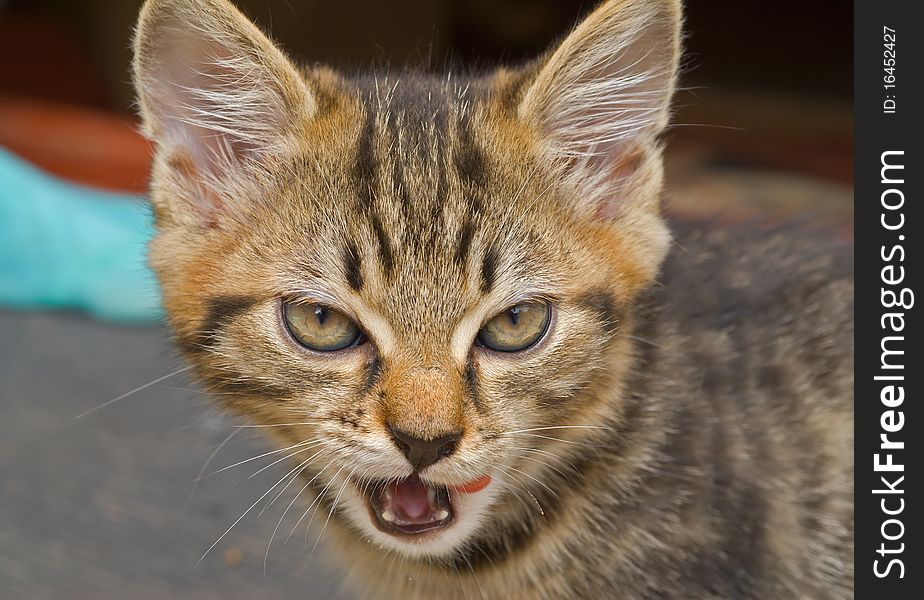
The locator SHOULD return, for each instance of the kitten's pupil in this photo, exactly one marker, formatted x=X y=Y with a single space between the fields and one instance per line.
x=320 y=314
x=514 y=315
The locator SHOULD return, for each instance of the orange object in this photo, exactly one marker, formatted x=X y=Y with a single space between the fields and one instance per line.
x=476 y=485
x=83 y=145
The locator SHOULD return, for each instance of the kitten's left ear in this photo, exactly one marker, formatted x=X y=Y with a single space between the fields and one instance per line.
x=601 y=99
x=219 y=99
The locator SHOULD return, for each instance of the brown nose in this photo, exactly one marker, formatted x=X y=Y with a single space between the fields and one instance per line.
x=423 y=453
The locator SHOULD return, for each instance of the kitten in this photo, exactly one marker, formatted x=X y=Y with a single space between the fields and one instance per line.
x=449 y=297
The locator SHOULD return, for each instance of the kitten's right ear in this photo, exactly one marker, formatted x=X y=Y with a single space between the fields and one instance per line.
x=220 y=101
x=602 y=97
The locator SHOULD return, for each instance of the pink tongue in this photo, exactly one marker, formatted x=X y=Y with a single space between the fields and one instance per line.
x=410 y=496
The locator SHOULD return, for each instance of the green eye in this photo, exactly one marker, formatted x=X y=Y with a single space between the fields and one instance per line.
x=517 y=328
x=320 y=328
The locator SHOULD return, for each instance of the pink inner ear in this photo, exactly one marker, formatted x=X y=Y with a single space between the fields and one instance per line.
x=607 y=86
x=207 y=204
x=227 y=96
x=221 y=101
x=625 y=165
x=209 y=101
x=218 y=113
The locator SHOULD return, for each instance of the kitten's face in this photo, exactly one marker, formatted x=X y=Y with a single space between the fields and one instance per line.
x=416 y=284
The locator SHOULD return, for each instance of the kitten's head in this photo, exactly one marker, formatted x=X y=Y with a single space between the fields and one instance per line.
x=418 y=283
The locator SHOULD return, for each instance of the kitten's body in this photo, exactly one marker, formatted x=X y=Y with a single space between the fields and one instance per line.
x=682 y=435
x=730 y=474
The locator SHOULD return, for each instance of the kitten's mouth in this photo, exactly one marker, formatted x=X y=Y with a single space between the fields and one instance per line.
x=410 y=507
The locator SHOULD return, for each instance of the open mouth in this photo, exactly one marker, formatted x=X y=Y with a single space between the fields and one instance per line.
x=410 y=506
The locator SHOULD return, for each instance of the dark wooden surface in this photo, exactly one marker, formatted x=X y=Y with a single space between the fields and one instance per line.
x=96 y=507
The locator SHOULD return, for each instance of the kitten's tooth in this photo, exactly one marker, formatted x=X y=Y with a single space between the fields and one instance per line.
x=389 y=516
x=431 y=495
x=441 y=514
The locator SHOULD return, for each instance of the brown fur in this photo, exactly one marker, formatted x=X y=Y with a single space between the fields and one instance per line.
x=697 y=423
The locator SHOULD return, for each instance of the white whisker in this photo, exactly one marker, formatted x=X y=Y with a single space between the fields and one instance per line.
x=555 y=427
x=278 y=425
x=318 y=504
x=563 y=441
x=286 y=511
x=316 y=499
x=551 y=491
x=306 y=464
x=259 y=456
x=517 y=480
x=333 y=507
x=208 y=461
x=244 y=514
x=308 y=447
x=134 y=391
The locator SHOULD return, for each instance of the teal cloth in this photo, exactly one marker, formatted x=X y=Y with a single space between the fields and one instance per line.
x=64 y=246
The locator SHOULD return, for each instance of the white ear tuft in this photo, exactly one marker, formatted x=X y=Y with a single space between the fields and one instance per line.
x=215 y=94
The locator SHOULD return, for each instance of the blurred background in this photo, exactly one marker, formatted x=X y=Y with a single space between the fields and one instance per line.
x=103 y=506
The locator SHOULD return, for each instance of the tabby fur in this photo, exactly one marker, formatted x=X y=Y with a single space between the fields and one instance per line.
x=684 y=430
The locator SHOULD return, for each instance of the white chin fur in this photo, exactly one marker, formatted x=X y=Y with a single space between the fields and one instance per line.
x=469 y=512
